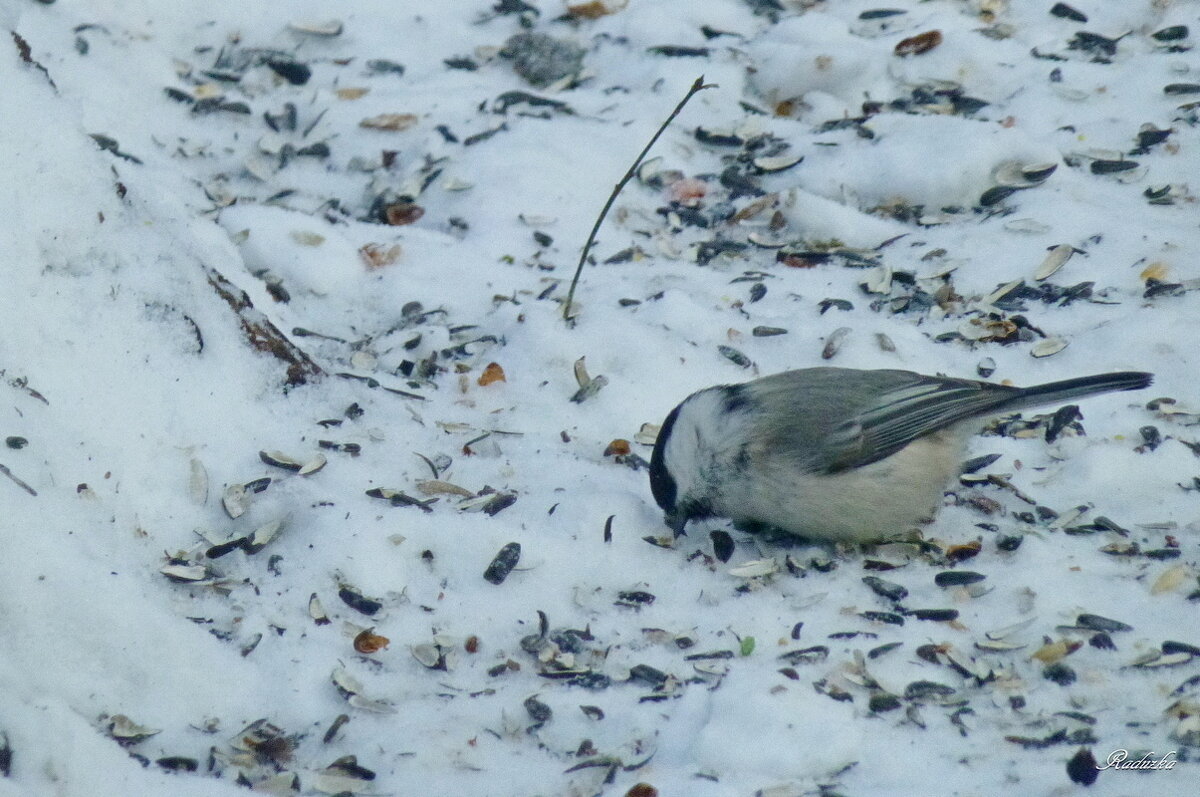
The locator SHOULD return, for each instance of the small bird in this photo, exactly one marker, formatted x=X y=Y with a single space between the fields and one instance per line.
x=834 y=453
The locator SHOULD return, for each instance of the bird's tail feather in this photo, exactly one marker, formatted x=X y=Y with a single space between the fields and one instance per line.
x=1067 y=389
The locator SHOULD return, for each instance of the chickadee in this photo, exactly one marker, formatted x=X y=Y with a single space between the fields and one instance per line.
x=834 y=453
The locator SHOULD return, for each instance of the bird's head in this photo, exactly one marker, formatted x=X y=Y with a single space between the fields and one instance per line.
x=686 y=468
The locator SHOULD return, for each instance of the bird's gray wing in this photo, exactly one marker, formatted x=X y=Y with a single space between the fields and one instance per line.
x=833 y=419
x=897 y=416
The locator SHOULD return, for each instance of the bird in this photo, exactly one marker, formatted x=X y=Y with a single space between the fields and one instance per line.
x=834 y=454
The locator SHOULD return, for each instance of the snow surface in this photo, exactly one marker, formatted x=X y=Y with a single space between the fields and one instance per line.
x=141 y=398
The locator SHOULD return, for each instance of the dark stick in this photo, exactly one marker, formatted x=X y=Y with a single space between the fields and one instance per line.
x=4 y=469
x=698 y=86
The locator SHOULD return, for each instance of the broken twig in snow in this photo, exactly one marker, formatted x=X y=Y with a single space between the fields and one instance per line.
x=698 y=86
x=262 y=334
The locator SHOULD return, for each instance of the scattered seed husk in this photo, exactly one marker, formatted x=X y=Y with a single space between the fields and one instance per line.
x=1171 y=34
x=293 y=72
x=222 y=548
x=1060 y=673
x=337 y=783
x=313 y=465
x=885 y=589
x=758 y=568
x=236 y=500
x=476 y=503
x=934 y=615
x=882 y=650
x=888 y=618
x=1094 y=622
x=178 y=763
x=618 y=447
x=634 y=597
x=810 y=655
x=347 y=685
x=1103 y=166
x=393 y=122
x=1156 y=659
x=429 y=655
x=595 y=9
x=538 y=711
x=498 y=503
x=378 y=256
x=198 y=482
x=1009 y=630
x=1052 y=652
x=955 y=578
x=879 y=280
x=882 y=702
x=400 y=498
x=439 y=487
x=316 y=611
x=1055 y=259
x=334 y=727
x=921 y=43
x=1170 y=647
x=351 y=689
x=368 y=642
x=1067 y=12
x=186 y=573
x=126 y=731
x=1048 y=347
x=373 y=706
x=237 y=497
x=357 y=601
x=992 y=646
x=734 y=356
x=587 y=389
x=250 y=645
x=493 y=372
x=582 y=378
x=996 y=195
x=258 y=540
x=331 y=27
x=833 y=343
x=1171 y=579
x=1177 y=89
x=928 y=692
x=400 y=214
x=503 y=563
x=1028 y=226
x=777 y=163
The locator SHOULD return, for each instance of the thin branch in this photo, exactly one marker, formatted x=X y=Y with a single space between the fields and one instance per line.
x=698 y=86
x=262 y=334
x=4 y=469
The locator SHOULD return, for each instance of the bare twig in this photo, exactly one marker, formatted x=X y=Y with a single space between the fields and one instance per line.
x=698 y=86
x=262 y=334
x=19 y=482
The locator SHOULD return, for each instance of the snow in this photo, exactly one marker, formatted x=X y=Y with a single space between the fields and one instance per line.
x=142 y=398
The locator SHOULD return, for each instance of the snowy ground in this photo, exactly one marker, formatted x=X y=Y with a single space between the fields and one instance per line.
x=155 y=173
